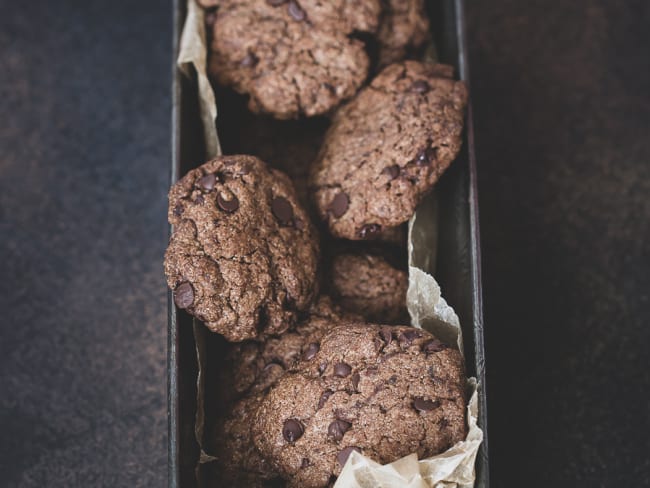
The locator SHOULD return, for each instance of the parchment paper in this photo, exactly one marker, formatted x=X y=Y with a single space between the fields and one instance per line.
x=193 y=53
x=455 y=467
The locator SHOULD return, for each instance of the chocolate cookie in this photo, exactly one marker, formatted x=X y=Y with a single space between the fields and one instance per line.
x=293 y=57
x=240 y=463
x=243 y=254
x=403 y=30
x=253 y=366
x=385 y=150
x=371 y=286
x=384 y=391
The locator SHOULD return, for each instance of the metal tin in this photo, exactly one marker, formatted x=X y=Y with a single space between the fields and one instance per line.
x=458 y=260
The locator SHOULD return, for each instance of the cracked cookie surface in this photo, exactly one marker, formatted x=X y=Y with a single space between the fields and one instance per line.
x=384 y=391
x=252 y=367
x=292 y=57
x=243 y=254
x=386 y=149
x=368 y=284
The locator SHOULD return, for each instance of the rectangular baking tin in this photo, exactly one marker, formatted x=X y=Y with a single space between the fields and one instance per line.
x=458 y=260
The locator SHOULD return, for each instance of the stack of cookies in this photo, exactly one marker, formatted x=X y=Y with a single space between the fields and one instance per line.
x=303 y=271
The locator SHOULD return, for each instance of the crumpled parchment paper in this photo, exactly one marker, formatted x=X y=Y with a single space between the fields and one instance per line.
x=453 y=468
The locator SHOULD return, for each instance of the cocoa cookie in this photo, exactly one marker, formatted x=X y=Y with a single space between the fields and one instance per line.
x=243 y=254
x=384 y=391
x=385 y=149
x=368 y=284
x=240 y=463
x=254 y=366
x=403 y=30
x=292 y=57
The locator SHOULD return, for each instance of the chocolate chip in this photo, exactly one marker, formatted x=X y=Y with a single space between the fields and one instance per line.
x=424 y=405
x=406 y=337
x=178 y=210
x=324 y=397
x=434 y=345
x=249 y=61
x=344 y=454
x=386 y=334
x=296 y=11
x=305 y=463
x=420 y=86
x=292 y=430
x=339 y=204
x=310 y=352
x=207 y=182
x=275 y=3
x=338 y=428
x=355 y=381
x=369 y=231
x=322 y=367
x=342 y=370
x=330 y=88
x=184 y=295
x=228 y=205
x=425 y=156
x=298 y=224
x=199 y=199
x=392 y=171
x=282 y=210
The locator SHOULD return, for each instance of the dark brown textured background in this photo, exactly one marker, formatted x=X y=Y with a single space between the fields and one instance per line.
x=562 y=109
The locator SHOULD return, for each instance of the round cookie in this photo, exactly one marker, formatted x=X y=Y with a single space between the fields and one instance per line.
x=385 y=149
x=243 y=254
x=403 y=30
x=292 y=57
x=371 y=286
x=240 y=463
x=252 y=367
x=384 y=391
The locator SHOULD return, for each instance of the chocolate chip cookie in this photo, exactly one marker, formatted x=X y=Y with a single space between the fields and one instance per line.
x=403 y=30
x=383 y=391
x=292 y=57
x=243 y=254
x=385 y=149
x=368 y=284
x=254 y=366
